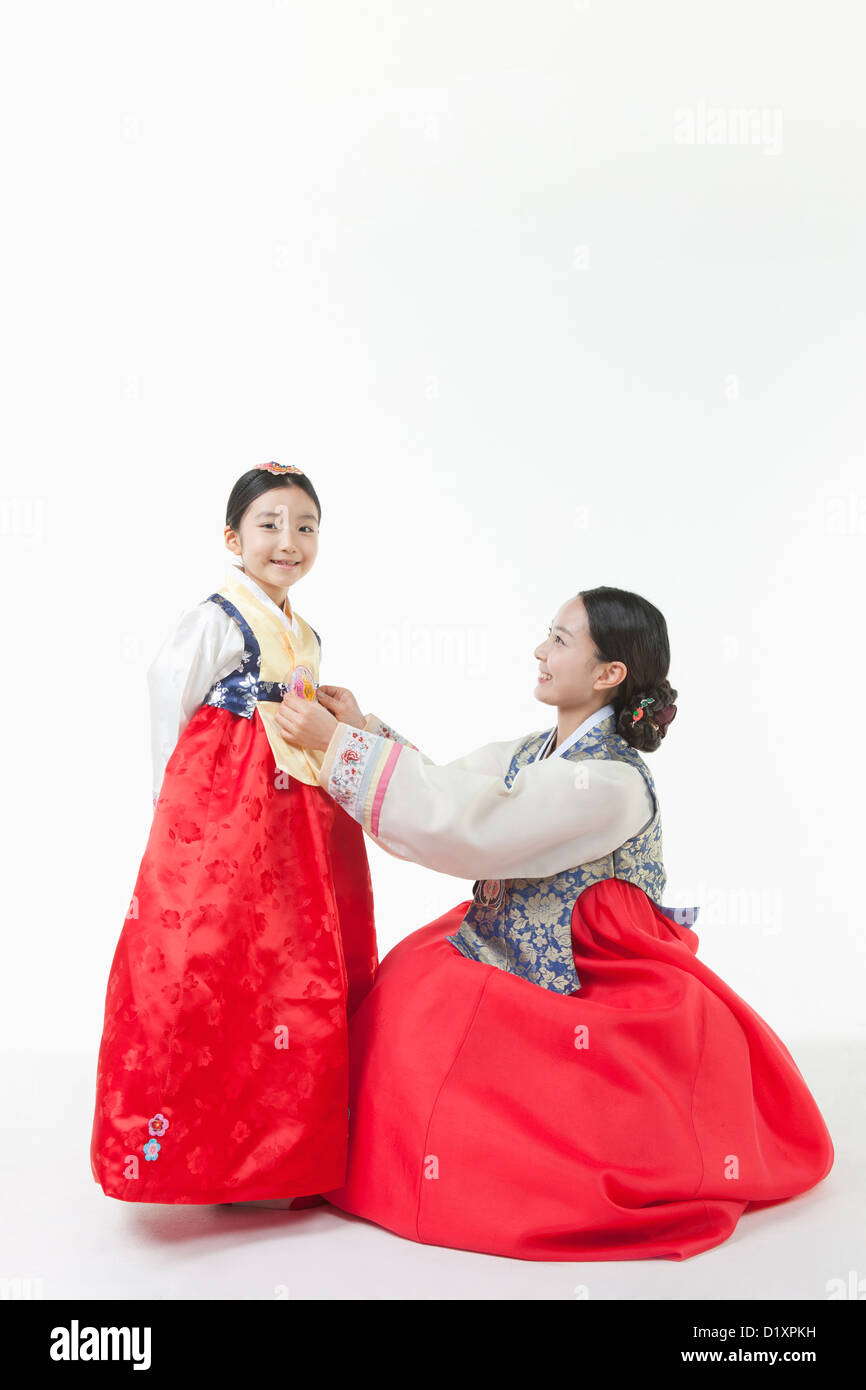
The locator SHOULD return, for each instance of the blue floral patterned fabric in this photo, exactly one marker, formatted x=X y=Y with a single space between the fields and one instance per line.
x=523 y=925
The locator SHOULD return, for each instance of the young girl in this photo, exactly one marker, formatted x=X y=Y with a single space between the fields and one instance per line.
x=548 y=1071
x=222 y=1072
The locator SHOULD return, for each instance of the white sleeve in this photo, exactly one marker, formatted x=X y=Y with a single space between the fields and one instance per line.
x=493 y=758
x=205 y=645
x=556 y=814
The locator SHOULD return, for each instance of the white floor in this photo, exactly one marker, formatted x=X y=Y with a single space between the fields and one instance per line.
x=60 y=1230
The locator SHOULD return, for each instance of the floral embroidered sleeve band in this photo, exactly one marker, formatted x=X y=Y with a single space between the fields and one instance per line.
x=356 y=770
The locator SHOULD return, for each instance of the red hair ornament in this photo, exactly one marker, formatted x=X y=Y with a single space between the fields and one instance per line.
x=660 y=720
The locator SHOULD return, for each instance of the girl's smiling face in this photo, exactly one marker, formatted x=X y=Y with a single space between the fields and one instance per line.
x=278 y=539
x=570 y=674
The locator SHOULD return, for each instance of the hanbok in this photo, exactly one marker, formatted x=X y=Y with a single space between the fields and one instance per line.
x=548 y=1071
x=223 y=1067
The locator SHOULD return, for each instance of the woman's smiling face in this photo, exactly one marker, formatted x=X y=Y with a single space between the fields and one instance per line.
x=570 y=674
x=278 y=539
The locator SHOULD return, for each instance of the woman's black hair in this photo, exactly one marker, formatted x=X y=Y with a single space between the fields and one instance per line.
x=627 y=628
x=254 y=482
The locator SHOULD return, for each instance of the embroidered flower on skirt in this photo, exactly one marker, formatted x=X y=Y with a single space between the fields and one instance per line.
x=157 y=1124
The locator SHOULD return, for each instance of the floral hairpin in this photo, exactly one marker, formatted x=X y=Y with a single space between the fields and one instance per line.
x=660 y=720
x=637 y=714
x=273 y=467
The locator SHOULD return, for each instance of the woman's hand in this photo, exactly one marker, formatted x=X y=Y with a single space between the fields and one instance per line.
x=342 y=704
x=304 y=723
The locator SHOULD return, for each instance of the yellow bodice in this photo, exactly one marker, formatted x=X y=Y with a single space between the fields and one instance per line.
x=275 y=658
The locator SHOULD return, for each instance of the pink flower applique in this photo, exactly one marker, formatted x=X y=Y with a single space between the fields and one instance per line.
x=302 y=683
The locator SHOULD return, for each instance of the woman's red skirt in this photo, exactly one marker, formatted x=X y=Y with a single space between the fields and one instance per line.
x=638 y=1118
x=223 y=1068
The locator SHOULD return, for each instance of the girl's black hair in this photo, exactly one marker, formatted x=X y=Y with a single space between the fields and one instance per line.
x=254 y=482
x=627 y=628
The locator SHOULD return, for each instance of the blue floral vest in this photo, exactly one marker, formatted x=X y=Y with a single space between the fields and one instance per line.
x=523 y=925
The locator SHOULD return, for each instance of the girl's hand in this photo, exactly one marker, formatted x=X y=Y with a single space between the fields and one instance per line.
x=304 y=723
x=342 y=704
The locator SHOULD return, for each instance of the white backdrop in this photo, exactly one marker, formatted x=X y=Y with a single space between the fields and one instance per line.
x=542 y=297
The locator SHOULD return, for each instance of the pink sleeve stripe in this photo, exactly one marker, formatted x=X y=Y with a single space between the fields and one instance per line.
x=383 y=786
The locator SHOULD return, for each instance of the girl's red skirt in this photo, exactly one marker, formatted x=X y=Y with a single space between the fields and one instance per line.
x=223 y=1066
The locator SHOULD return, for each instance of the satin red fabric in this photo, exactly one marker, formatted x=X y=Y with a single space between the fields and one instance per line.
x=636 y=1119
x=250 y=938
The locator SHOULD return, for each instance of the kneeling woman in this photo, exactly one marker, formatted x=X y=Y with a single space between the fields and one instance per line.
x=548 y=1071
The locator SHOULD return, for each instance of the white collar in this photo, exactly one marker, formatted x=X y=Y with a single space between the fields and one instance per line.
x=289 y=623
x=579 y=732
